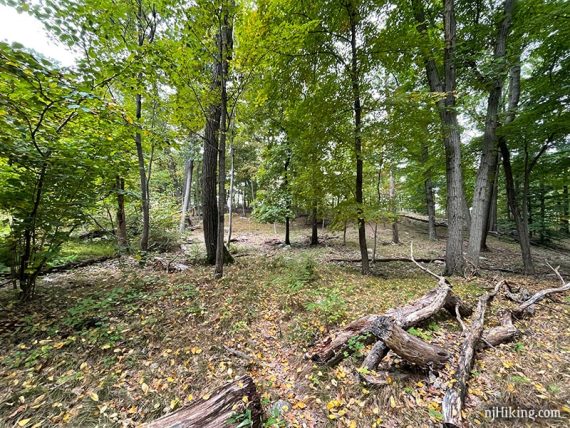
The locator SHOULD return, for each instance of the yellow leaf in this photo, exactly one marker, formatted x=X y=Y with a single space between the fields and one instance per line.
x=565 y=409
x=23 y=422
x=145 y=388
x=392 y=401
x=510 y=387
x=300 y=405
x=106 y=346
x=83 y=366
x=173 y=403
x=132 y=410
x=59 y=345
x=190 y=397
x=94 y=396
x=352 y=424
x=507 y=364
x=196 y=350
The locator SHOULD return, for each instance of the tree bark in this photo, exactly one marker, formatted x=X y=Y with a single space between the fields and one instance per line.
x=231 y=202
x=430 y=202
x=314 y=227
x=122 y=237
x=357 y=110
x=225 y=43
x=395 y=234
x=565 y=209
x=189 y=170
x=488 y=163
x=405 y=345
x=454 y=263
x=222 y=409
x=142 y=176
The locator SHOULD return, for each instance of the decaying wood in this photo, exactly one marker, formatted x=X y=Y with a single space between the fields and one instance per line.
x=333 y=348
x=422 y=219
x=455 y=395
x=500 y=334
x=527 y=308
x=409 y=347
x=162 y=264
x=221 y=409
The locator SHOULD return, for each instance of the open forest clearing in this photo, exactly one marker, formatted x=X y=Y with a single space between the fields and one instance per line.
x=284 y=213
x=117 y=344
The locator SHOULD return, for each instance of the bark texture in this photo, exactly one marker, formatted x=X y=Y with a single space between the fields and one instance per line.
x=220 y=410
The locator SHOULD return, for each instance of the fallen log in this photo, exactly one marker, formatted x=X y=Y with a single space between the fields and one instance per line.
x=500 y=334
x=390 y=259
x=455 y=395
x=423 y=220
x=405 y=345
x=228 y=406
x=527 y=307
x=334 y=348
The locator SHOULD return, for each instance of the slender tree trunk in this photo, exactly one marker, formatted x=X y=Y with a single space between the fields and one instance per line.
x=355 y=80
x=430 y=201
x=491 y=209
x=225 y=42
x=542 y=211
x=565 y=207
x=451 y=137
x=487 y=167
x=243 y=201
x=314 y=234
x=189 y=170
x=231 y=203
x=122 y=238
x=375 y=242
x=395 y=234
x=519 y=215
x=142 y=176
x=286 y=185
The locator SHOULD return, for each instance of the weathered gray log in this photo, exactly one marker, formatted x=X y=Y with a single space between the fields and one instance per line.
x=221 y=409
x=500 y=334
x=410 y=348
x=455 y=395
x=333 y=348
x=527 y=307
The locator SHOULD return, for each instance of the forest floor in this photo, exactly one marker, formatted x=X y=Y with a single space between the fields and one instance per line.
x=116 y=344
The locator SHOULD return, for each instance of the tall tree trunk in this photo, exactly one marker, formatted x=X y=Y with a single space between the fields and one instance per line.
x=210 y=167
x=357 y=107
x=286 y=185
x=430 y=201
x=122 y=238
x=314 y=228
x=395 y=234
x=231 y=202
x=565 y=207
x=142 y=176
x=225 y=43
x=451 y=137
x=172 y=171
x=189 y=171
x=542 y=211
x=488 y=164
x=520 y=218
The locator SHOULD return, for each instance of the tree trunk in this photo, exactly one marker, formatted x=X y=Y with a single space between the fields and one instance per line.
x=395 y=234
x=189 y=170
x=565 y=207
x=231 y=202
x=122 y=237
x=222 y=408
x=451 y=137
x=430 y=202
x=488 y=165
x=142 y=177
x=357 y=109
x=314 y=234
x=172 y=171
x=225 y=43
x=542 y=211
